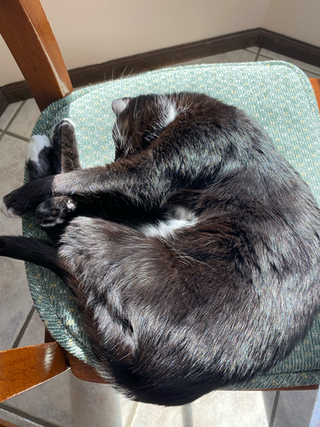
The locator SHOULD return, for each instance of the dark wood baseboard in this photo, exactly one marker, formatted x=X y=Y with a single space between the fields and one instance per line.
x=3 y=102
x=148 y=61
x=288 y=46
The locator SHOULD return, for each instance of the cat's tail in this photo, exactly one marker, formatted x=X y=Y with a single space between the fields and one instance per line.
x=33 y=250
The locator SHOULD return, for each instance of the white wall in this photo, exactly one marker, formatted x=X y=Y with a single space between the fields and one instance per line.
x=95 y=31
x=299 y=19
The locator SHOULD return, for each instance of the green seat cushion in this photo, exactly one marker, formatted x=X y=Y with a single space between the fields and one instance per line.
x=281 y=99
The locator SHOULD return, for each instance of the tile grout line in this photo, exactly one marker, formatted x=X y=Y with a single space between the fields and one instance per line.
x=24 y=327
x=14 y=115
x=274 y=409
x=186 y=414
x=23 y=138
x=256 y=59
x=7 y=132
x=132 y=414
x=26 y=416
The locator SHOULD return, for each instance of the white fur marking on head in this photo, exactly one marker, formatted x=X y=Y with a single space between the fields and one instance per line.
x=169 y=111
x=36 y=144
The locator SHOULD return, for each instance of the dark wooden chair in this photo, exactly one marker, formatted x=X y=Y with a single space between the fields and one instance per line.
x=27 y=32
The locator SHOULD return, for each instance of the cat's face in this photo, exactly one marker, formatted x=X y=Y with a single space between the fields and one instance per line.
x=140 y=120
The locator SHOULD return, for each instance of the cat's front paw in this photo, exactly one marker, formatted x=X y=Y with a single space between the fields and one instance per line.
x=55 y=211
x=8 y=211
x=66 y=125
x=11 y=205
x=27 y=198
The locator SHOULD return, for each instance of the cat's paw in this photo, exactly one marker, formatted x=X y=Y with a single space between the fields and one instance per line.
x=67 y=124
x=7 y=211
x=10 y=207
x=55 y=211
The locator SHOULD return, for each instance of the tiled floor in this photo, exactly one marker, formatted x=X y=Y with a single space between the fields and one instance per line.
x=67 y=402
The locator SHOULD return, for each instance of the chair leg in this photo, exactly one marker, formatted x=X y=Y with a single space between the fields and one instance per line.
x=28 y=35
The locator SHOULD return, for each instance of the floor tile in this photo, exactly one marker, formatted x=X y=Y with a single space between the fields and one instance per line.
x=240 y=55
x=295 y=408
x=34 y=333
x=67 y=401
x=308 y=73
x=304 y=66
x=12 y=164
x=230 y=409
x=8 y=114
x=23 y=124
x=157 y=416
x=15 y=300
x=15 y=419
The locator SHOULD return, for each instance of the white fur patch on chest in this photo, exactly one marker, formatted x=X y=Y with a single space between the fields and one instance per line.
x=179 y=219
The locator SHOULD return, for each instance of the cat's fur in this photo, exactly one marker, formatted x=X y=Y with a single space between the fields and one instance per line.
x=194 y=257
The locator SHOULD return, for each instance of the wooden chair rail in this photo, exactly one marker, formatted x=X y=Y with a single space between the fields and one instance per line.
x=25 y=367
x=316 y=88
x=7 y=424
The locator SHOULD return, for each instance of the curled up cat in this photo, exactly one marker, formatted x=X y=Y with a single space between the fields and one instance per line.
x=193 y=257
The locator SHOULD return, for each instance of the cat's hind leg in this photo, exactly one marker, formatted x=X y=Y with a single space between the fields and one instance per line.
x=65 y=147
x=39 y=160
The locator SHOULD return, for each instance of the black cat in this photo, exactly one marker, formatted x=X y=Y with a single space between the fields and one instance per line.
x=193 y=257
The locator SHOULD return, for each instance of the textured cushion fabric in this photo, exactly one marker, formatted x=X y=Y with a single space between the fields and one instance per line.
x=277 y=94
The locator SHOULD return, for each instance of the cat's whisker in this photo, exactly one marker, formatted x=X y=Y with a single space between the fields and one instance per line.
x=130 y=72
x=123 y=72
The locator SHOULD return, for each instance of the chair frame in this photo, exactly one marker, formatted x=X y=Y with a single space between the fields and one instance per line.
x=39 y=59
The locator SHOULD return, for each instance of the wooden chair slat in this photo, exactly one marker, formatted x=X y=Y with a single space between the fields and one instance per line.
x=25 y=367
x=27 y=33
x=316 y=87
x=7 y=424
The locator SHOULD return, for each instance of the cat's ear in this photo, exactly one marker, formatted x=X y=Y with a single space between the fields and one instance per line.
x=118 y=105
